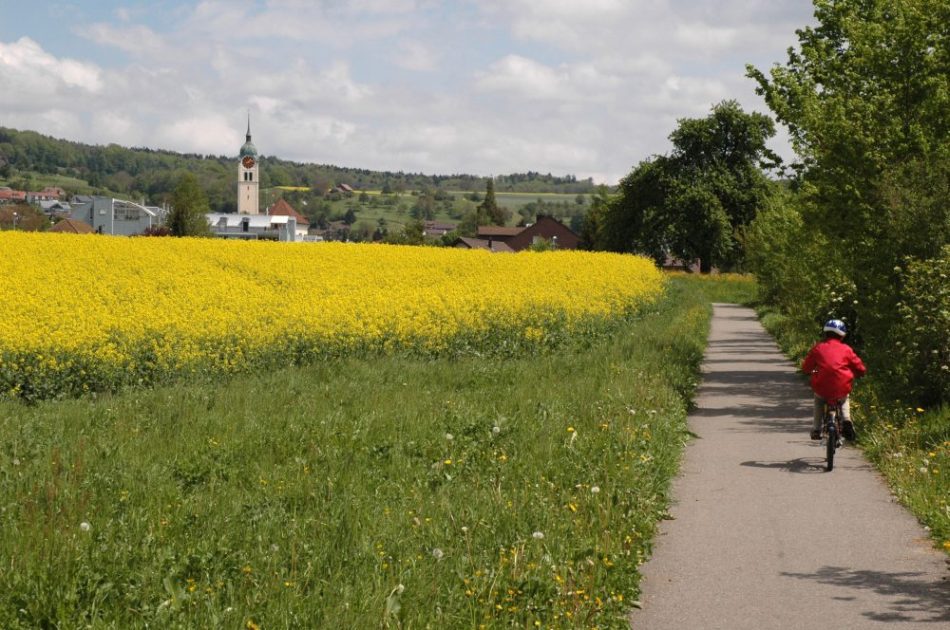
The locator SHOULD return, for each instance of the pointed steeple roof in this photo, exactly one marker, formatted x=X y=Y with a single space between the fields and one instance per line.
x=248 y=148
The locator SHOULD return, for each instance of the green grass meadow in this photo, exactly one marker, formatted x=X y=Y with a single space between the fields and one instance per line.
x=360 y=493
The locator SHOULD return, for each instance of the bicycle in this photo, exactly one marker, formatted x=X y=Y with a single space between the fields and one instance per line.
x=832 y=431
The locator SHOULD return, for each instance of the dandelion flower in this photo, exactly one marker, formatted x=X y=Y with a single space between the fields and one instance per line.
x=495 y=430
x=538 y=535
x=84 y=526
x=438 y=554
x=449 y=437
x=594 y=489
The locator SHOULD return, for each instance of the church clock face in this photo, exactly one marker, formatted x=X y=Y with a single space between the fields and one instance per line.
x=248 y=162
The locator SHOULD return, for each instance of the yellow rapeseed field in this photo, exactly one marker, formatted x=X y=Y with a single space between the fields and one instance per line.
x=91 y=312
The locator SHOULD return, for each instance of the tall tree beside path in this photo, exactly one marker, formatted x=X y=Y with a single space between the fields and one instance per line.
x=866 y=99
x=693 y=203
x=189 y=206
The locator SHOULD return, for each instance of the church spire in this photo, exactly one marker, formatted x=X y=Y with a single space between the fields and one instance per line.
x=248 y=125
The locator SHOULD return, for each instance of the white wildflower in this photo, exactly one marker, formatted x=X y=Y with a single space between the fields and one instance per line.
x=538 y=535
x=84 y=526
x=595 y=489
x=437 y=554
x=449 y=437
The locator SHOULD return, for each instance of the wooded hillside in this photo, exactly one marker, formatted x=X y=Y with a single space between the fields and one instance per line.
x=27 y=156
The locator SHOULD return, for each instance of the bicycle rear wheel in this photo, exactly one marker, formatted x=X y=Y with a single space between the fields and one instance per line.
x=830 y=447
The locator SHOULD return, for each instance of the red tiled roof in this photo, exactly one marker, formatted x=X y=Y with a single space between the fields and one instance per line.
x=13 y=194
x=477 y=243
x=72 y=226
x=284 y=209
x=498 y=230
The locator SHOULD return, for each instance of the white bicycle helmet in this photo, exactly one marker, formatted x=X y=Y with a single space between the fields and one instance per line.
x=835 y=326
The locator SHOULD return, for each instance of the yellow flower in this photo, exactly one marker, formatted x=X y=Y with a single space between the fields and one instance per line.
x=189 y=313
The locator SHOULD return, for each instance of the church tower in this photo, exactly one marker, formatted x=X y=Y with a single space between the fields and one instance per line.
x=248 y=180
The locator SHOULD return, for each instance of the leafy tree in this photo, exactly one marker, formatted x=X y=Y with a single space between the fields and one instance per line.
x=866 y=99
x=692 y=203
x=350 y=217
x=189 y=206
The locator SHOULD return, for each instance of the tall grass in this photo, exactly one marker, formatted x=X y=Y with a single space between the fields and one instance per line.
x=393 y=492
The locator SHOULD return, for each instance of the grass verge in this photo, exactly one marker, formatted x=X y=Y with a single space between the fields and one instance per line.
x=393 y=492
x=909 y=445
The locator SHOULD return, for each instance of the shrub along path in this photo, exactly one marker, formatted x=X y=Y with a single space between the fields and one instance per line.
x=761 y=536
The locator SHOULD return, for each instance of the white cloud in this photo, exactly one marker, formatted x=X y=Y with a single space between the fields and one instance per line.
x=517 y=74
x=135 y=39
x=493 y=86
x=414 y=55
x=27 y=72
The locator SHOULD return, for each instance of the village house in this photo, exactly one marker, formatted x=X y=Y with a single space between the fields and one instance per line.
x=253 y=226
x=545 y=229
x=72 y=226
x=464 y=242
x=437 y=229
x=284 y=209
x=117 y=217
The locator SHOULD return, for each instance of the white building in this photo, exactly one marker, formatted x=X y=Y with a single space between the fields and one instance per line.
x=113 y=216
x=253 y=226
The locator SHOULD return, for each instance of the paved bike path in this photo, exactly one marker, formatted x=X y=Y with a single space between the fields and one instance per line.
x=761 y=536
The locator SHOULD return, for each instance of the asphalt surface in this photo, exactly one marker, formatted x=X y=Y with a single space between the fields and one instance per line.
x=761 y=536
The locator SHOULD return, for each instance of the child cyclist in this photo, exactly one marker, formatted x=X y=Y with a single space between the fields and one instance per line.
x=833 y=365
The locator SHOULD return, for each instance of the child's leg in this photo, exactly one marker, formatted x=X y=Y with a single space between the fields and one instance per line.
x=819 y=412
x=846 y=409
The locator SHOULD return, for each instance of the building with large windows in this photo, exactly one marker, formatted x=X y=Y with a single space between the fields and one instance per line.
x=118 y=217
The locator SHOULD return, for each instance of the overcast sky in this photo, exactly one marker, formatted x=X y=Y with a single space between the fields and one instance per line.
x=587 y=87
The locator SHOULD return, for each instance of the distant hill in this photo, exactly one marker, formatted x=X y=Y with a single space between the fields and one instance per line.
x=28 y=158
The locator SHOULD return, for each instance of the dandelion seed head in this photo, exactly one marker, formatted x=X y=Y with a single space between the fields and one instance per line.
x=538 y=535
x=438 y=554
x=449 y=437
x=495 y=430
x=595 y=489
x=84 y=526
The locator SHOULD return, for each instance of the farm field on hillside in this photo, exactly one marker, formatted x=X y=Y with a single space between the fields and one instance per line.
x=393 y=491
x=398 y=214
x=96 y=314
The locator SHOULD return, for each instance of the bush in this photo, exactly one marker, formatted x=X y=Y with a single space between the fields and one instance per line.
x=922 y=335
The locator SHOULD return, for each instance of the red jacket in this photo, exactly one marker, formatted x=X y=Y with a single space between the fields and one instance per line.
x=833 y=366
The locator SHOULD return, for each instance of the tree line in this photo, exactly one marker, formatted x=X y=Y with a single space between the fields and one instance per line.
x=152 y=175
